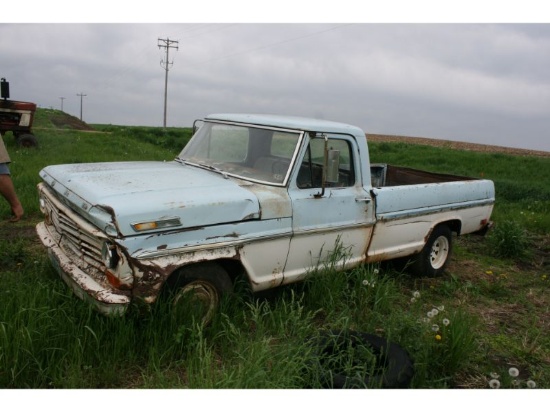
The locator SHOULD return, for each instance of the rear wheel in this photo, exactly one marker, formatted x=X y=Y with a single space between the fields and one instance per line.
x=434 y=257
x=195 y=292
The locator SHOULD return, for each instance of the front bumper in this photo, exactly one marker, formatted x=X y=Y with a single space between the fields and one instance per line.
x=103 y=299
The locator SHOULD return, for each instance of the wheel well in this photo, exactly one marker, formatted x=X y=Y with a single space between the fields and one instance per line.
x=234 y=268
x=454 y=225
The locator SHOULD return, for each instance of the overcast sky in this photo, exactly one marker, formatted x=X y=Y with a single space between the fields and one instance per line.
x=478 y=82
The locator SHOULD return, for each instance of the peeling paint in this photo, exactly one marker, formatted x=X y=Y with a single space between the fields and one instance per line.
x=273 y=230
x=229 y=235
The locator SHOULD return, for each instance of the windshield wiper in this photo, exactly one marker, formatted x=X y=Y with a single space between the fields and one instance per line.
x=204 y=166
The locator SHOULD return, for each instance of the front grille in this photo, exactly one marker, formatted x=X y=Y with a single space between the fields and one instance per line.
x=74 y=237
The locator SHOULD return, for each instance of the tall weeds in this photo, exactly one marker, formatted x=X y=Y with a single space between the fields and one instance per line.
x=51 y=339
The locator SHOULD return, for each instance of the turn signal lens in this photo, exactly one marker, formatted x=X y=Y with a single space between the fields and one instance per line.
x=145 y=226
x=157 y=224
x=113 y=280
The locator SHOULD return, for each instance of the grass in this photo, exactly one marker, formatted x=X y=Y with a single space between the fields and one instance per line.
x=492 y=304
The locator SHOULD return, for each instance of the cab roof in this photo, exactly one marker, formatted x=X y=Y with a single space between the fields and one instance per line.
x=287 y=122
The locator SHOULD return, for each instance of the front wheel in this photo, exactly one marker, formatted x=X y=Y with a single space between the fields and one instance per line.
x=434 y=257
x=195 y=292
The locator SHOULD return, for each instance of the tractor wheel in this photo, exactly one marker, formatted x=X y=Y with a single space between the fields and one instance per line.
x=26 y=140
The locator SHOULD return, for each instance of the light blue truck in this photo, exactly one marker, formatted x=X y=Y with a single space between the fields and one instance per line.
x=267 y=196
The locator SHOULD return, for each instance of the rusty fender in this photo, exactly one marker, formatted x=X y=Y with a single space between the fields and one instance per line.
x=150 y=274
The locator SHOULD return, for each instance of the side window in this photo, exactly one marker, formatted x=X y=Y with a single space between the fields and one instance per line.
x=311 y=169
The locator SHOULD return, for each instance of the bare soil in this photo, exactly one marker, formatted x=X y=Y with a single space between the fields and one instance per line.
x=475 y=147
x=65 y=121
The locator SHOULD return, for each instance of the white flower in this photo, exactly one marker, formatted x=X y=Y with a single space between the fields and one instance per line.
x=413 y=300
x=446 y=322
x=441 y=308
x=514 y=372
x=365 y=282
x=531 y=384
x=416 y=294
x=432 y=313
x=494 y=384
x=435 y=328
x=494 y=375
x=376 y=271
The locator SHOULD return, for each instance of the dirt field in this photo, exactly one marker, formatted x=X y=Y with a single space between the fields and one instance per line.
x=456 y=145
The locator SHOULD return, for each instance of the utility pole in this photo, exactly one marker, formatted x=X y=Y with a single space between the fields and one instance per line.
x=167 y=44
x=81 y=96
x=62 y=98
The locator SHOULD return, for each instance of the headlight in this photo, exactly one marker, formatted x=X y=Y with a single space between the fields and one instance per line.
x=110 y=229
x=109 y=255
x=44 y=209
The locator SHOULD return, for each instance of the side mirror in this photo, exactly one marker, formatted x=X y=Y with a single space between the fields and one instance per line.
x=330 y=168
x=333 y=166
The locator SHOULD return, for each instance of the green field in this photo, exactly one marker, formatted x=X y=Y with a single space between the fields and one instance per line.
x=493 y=302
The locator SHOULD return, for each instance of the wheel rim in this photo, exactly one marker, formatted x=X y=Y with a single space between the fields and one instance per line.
x=439 y=252
x=198 y=299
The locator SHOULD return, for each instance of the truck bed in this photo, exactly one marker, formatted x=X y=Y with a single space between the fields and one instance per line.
x=384 y=175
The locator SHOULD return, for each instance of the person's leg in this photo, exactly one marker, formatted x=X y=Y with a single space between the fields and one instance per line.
x=7 y=190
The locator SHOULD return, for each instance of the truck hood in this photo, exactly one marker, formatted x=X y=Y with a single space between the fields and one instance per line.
x=126 y=193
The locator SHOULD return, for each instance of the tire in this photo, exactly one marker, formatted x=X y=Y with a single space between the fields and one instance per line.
x=392 y=367
x=26 y=140
x=434 y=257
x=195 y=292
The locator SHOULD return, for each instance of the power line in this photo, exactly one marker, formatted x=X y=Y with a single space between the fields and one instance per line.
x=167 y=44
x=199 y=31
x=202 y=28
x=62 y=98
x=266 y=46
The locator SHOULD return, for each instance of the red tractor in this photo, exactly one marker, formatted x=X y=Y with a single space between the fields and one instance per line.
x=16 y=117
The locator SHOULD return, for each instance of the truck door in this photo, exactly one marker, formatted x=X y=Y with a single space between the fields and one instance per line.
x=336 y=224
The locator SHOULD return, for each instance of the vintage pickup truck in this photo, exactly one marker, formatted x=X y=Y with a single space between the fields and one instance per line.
x=267 y=196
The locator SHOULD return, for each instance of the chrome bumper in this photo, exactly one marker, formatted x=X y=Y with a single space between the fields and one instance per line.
x=83 y=285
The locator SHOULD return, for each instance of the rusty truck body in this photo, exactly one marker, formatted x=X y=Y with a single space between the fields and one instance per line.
x=261 y=195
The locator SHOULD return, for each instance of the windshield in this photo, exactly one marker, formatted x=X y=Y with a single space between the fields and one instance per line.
x=252 y=153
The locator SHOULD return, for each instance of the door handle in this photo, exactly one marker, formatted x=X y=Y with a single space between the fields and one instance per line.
x=363 y=199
